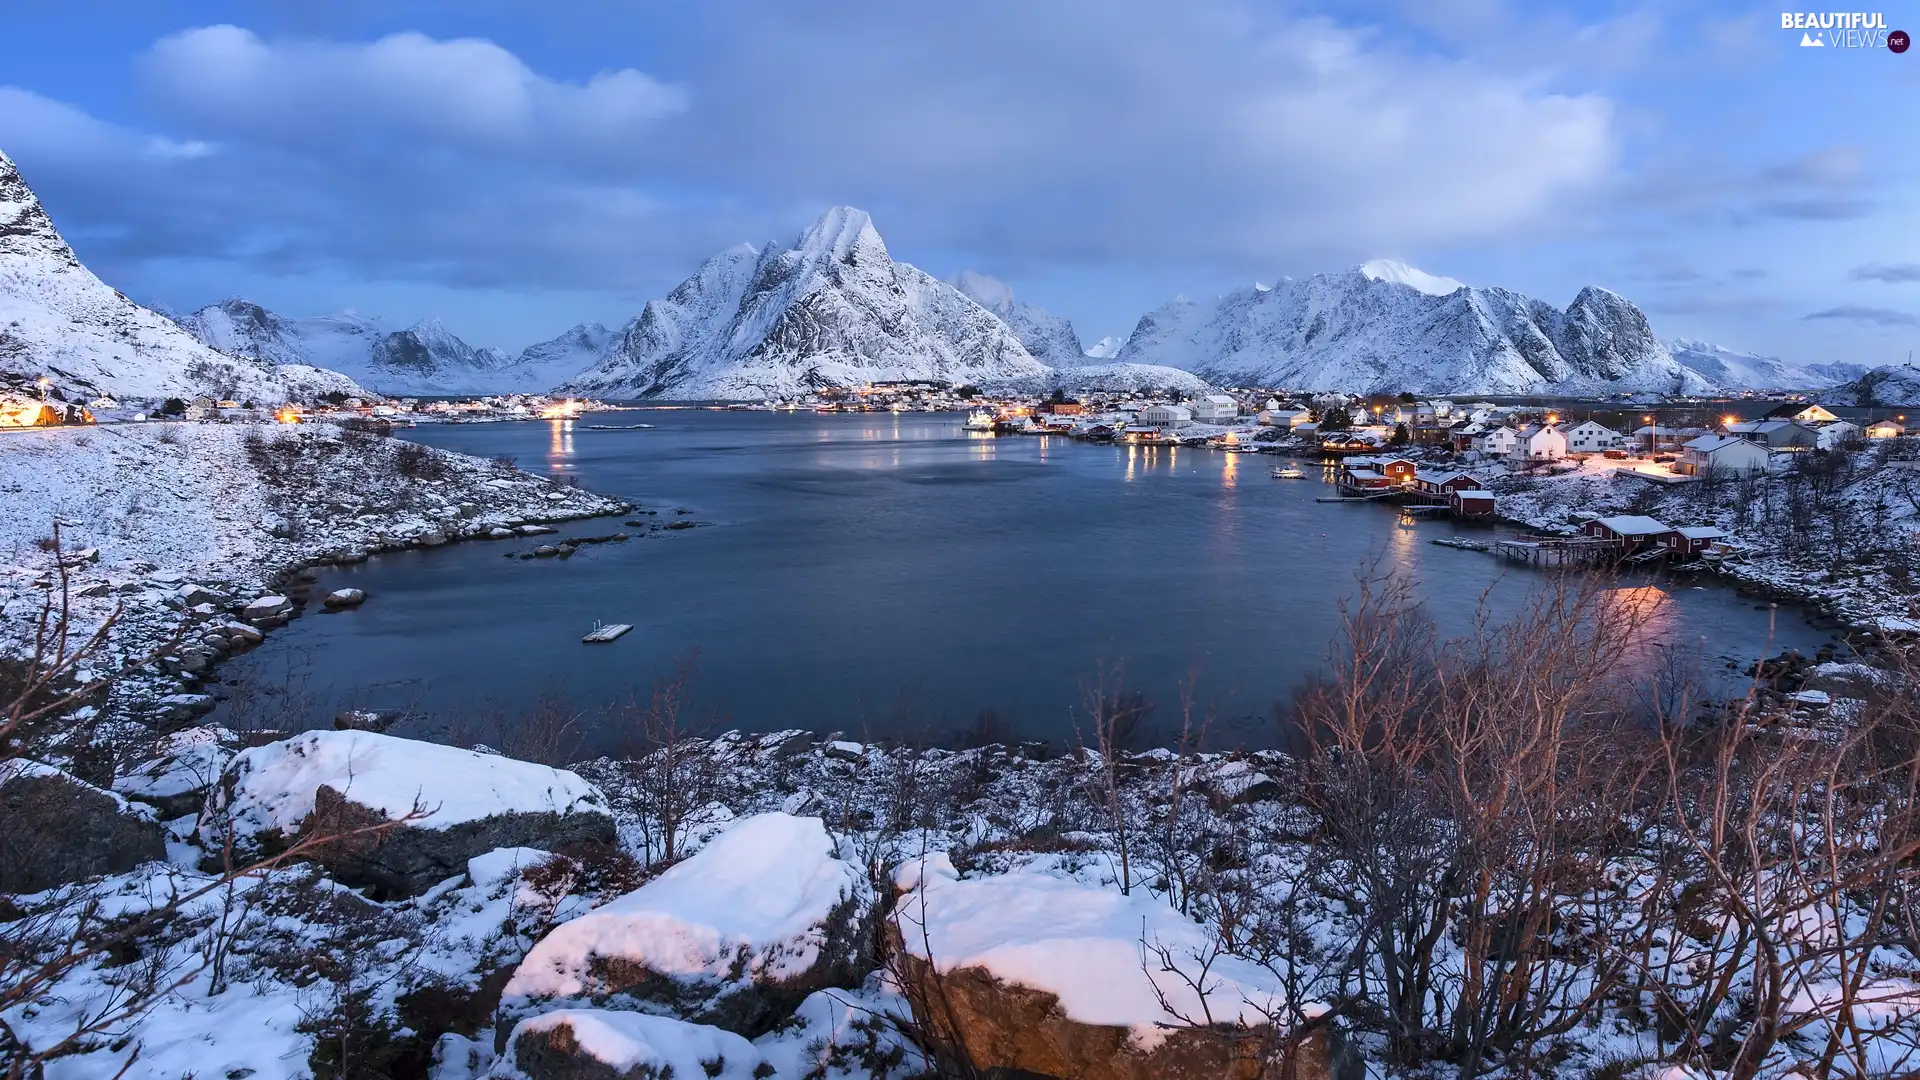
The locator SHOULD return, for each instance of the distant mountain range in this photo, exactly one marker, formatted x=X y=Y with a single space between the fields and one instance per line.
x=60 y=323
x=834 y=308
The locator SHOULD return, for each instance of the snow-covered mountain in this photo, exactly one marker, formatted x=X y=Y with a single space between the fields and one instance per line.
x=1387 y=327
x=1731 y=369
x=1892 y=386
x=1049 y=337
x=833 y=309
x=1106 y=348
x=425 y=358
x=60 y=322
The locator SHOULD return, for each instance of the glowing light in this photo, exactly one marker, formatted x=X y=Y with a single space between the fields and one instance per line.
x=561 y=410
x=1729 y=420
x=287 y=415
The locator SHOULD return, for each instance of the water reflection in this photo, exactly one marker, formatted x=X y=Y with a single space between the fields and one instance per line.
x=560 y=443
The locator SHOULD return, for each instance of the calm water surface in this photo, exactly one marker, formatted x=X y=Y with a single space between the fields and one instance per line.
x=864 y=571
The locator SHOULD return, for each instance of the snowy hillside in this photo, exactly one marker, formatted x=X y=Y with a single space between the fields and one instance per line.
x=1106 y=348
x=1047 y=336
x=425 y=358
x=834 y=309
x=1091 y=375
x=1730 y=369
x=1388 y=327
x=60 y=322
x=1893 y=386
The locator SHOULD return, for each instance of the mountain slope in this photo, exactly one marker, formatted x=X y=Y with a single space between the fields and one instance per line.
x=832 y=310
x=1889 y=386
x=60 y=322
x=425 y=358
x=1731 y=369
x=1048 y=337
x=1385 y=327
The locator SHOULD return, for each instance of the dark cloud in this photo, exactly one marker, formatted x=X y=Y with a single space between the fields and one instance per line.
x=1860 y=313
x=1893 y=273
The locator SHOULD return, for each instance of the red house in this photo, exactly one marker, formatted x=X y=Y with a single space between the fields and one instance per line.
x=1693 y=539
x=1630 y=531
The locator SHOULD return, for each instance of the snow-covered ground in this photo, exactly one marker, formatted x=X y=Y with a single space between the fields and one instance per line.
x=176 y=525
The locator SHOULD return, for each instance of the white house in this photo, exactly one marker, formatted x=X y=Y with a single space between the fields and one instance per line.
x=1283 y=417
x=1165 y=417
x=1538 y=442
x=1214 y=409
x=1802 y=414
x=1495 y=442
x=1589 y=437
x=1886 y=429
x=1722 y=454
x=1832 y=434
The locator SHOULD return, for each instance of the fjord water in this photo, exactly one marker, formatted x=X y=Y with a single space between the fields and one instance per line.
x=874 y=573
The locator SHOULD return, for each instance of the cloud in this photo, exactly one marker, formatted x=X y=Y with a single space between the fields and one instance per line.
x=227 y=82
x=1876 y=316
x=1892 y=273
x=1044 y=134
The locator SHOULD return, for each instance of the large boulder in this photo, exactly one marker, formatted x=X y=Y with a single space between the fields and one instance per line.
x=735 y=936
x=346 y=783
x=61 y=829
x=1043 y=976
x=595 y=1044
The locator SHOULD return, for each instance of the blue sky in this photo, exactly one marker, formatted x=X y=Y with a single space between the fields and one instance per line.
x=515 y=168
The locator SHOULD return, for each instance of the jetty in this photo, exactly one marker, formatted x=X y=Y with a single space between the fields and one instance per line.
x=606 y=632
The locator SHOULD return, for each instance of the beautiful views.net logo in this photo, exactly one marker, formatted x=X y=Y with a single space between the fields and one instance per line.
x=1845 y=30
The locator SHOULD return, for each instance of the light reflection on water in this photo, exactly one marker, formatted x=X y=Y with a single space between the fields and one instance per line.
x=857 y=561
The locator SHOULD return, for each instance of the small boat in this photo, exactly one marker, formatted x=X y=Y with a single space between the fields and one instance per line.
x=980 y=420
x=1289 y=472
x=606 y=632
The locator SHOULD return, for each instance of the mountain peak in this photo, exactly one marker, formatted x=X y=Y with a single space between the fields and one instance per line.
x=1400 y=273
x=840 y=231
x=988 y=292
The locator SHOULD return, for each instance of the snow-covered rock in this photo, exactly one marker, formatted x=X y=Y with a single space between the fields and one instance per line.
x=345 y=598
x=737 y=935
x=185 y=767
x=1387 y=327
x=60 y=828
x=60 y=322
x=1037 y=973
x=834 y=309
x=1106 y=348
x=1049 y=337
x=597 y=1044
x=324 y=782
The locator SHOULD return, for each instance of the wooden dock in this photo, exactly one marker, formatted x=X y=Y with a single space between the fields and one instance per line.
x=607 y=632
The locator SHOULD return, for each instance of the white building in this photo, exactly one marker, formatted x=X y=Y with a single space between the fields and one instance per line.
x=1495 y=442
x=1283 y=417
x=1589 y=437
x=1538 y=442
x=1165 y=417
x=1722 y=454
x=1835 y=432
x=1214 y=409
x=1886 y=429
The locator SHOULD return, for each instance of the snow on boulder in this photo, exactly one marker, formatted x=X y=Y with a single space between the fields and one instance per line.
x=594 y=1044
x=60 y=829
x=737 y=935
x=327 y=782
x=267 y=610
x=1043 y=974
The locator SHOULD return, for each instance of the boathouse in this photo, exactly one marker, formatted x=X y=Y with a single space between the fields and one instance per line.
x=1690 y=540
x=1364 y=480
x=1630 y=532
x=1443 y=484
x=1471 y=503
x=1398 y=470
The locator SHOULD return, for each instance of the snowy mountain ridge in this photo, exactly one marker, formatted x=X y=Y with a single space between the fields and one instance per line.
x=1734 y=370
x=1386 y=327
x=60 y=322
x=1049 y=337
